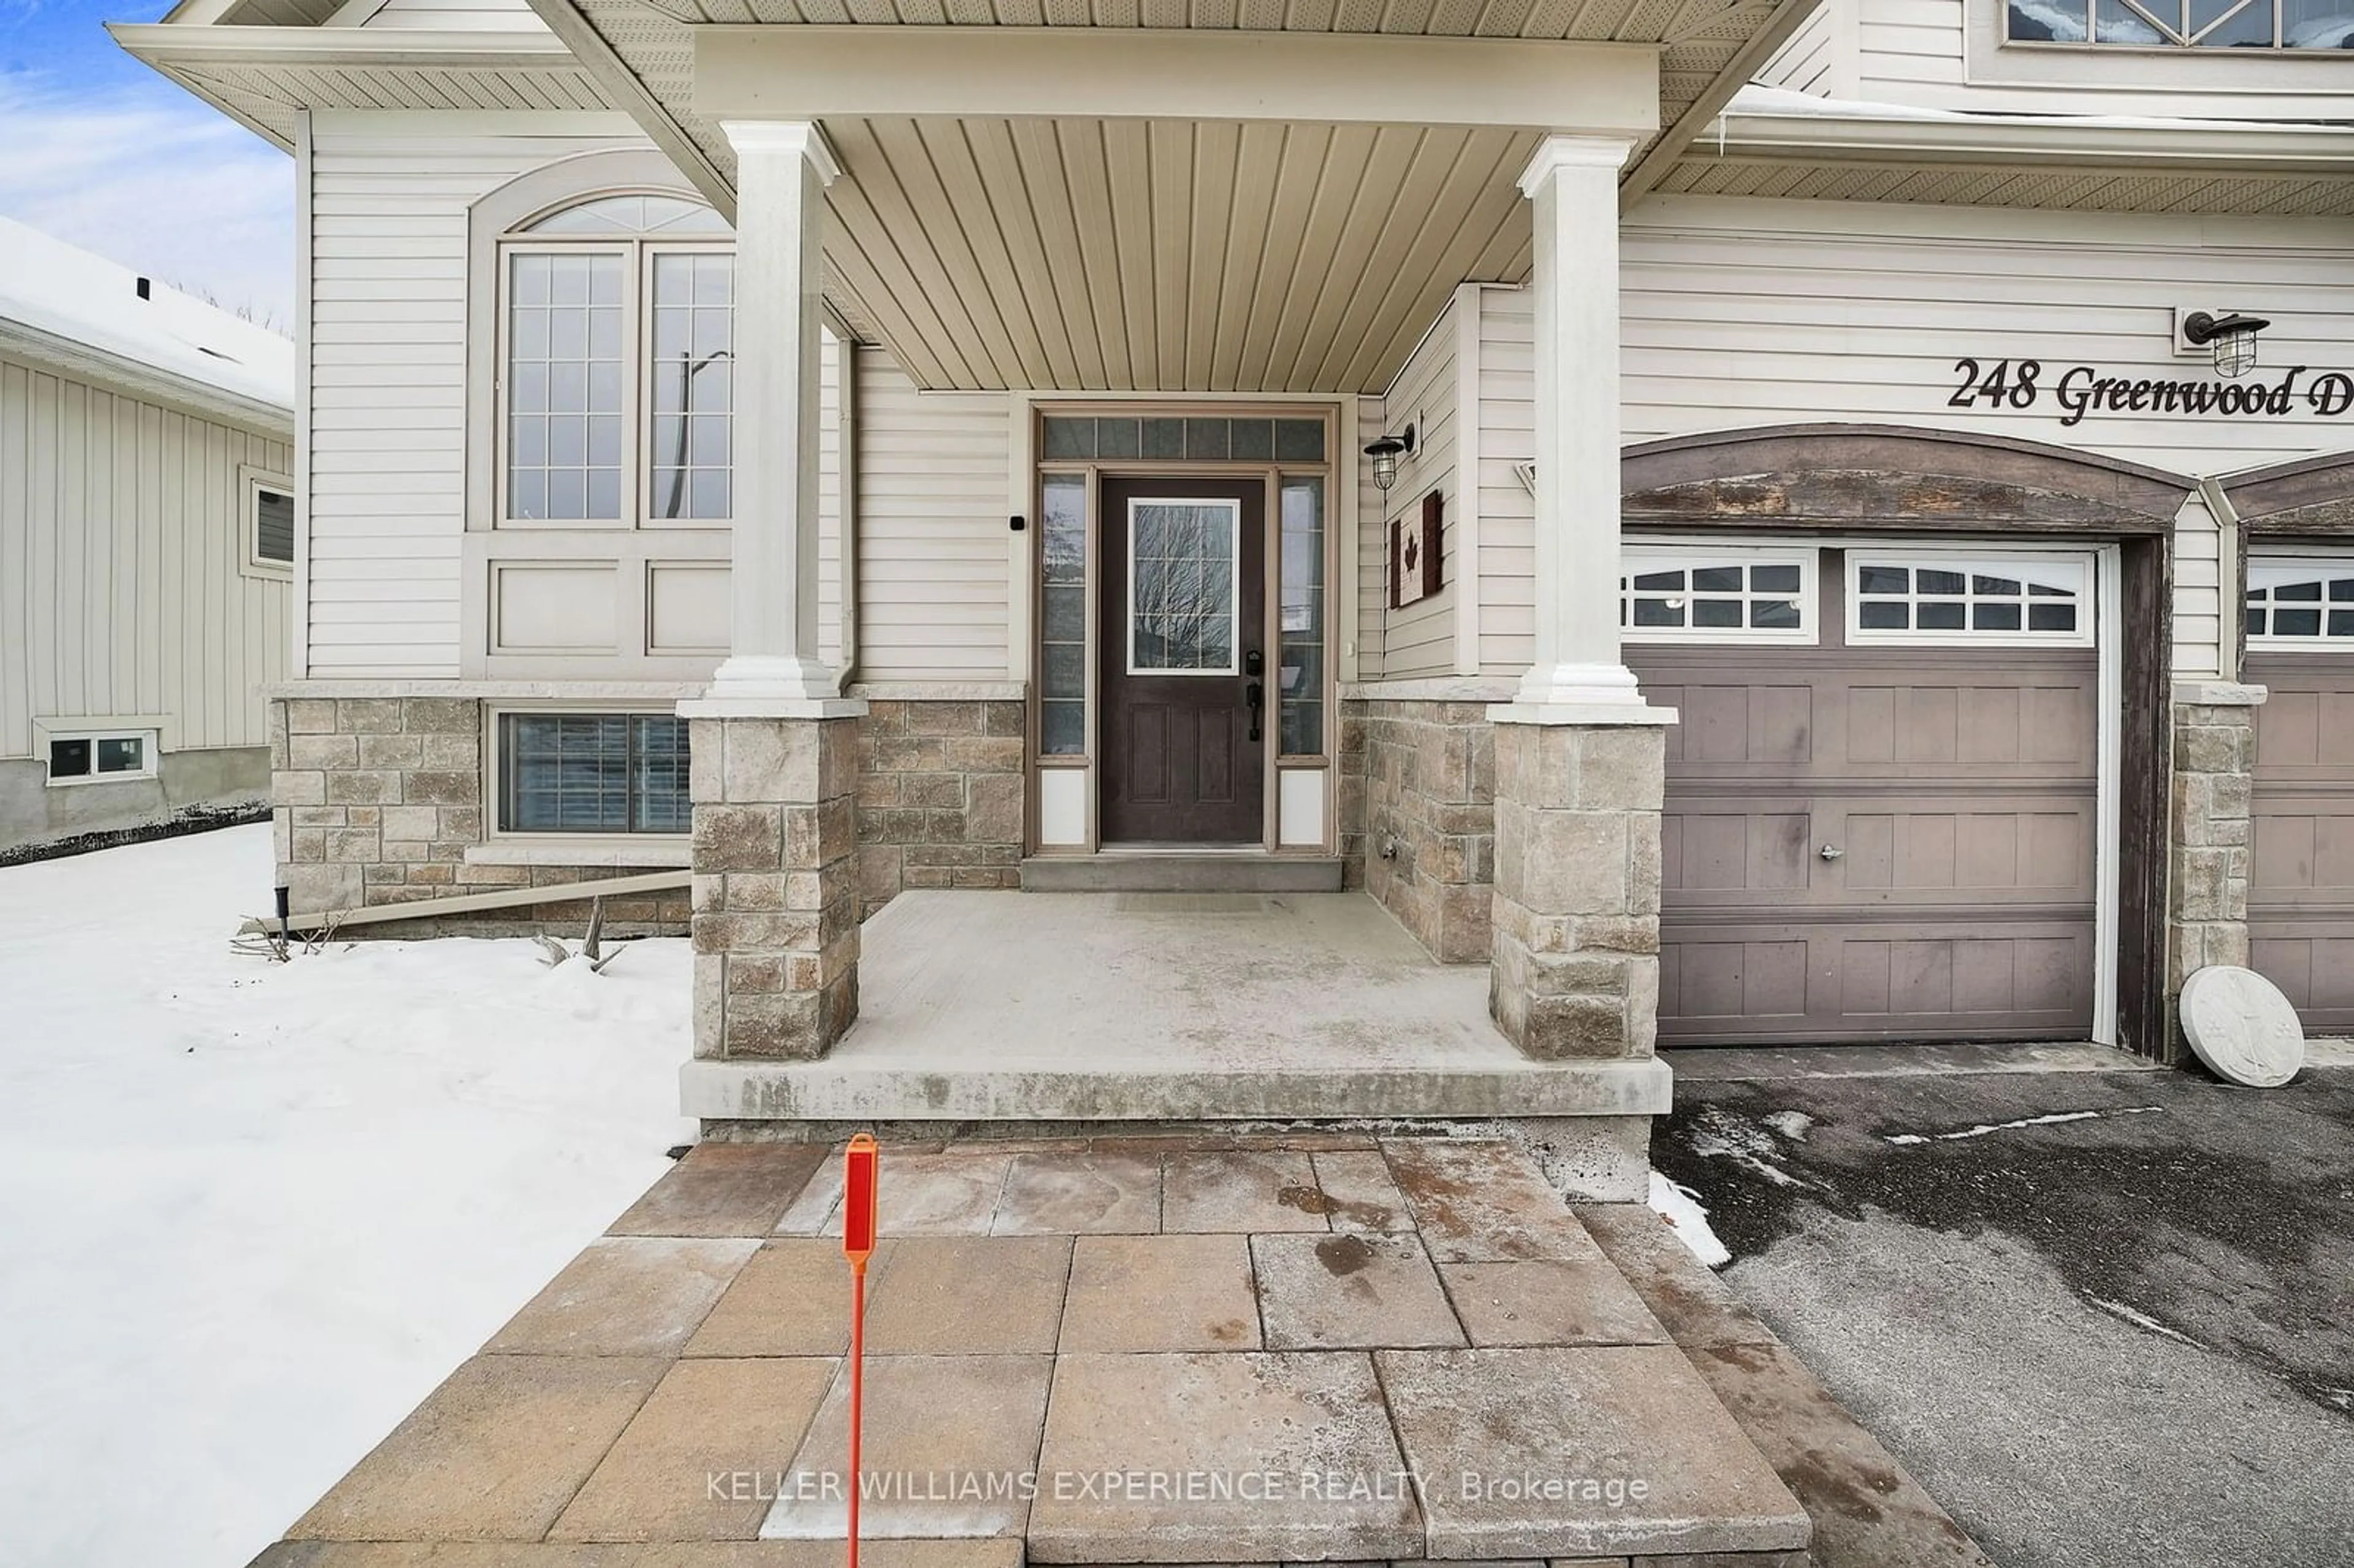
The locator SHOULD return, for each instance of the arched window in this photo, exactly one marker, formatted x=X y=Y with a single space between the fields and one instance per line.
x=616 y=365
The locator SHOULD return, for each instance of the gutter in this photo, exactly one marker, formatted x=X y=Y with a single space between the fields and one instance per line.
x=2020 y=139
x=145 y=382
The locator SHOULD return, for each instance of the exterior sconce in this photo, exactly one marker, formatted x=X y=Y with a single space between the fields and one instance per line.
x=2232 y=338
x=1384 y=453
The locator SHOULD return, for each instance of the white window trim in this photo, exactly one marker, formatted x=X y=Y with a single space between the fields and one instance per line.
x=1234 y=511
x=1990 y=563
x=2268 y=571
x=1636 y=557
x=150 y=751
x=501 y=845
x=637 y=360
x=251 y=482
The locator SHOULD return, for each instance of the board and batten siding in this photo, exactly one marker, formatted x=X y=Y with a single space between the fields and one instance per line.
x=388 y=474
x=1419 y=638
x=931 y=486
x=121 y=549
x=1742 y=313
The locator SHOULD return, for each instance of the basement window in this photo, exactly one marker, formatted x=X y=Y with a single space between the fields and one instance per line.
x=102 y=758
x=593 y=773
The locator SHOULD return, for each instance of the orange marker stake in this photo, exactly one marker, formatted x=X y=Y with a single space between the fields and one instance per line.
x=858 y=1185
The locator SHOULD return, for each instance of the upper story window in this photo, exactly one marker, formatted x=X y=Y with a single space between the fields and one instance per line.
x=2183 y=24
x=616 y=365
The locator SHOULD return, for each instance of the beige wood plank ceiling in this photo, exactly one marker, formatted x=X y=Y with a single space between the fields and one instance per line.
x=1165 y=256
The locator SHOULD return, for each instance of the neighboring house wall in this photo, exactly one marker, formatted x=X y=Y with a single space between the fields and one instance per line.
x=1947 y=54
x=127 y=603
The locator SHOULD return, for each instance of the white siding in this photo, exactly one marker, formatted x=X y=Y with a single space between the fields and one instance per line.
x=459 y=16
x=121 y=545
x=1820 y=57
x=1917 y=52
x=932 y=504
x=389 y=396
x=1754 y=313
x=1748 y=313
x=829 y=500
x=1418 y=639
x=2198 y=592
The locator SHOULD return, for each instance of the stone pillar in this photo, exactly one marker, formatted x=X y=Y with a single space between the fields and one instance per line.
x=775 y=884
x=1580 y=757
x=775 y=745
x=2209 y=831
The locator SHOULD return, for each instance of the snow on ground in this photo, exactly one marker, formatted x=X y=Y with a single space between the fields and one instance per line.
x=1681 y=1207
x=253 y=1213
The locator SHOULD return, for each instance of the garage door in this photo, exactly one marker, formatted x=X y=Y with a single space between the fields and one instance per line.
x=2301 y=889
x=1881 y=800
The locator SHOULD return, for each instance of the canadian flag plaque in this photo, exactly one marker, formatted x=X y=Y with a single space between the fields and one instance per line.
x=1416 y=553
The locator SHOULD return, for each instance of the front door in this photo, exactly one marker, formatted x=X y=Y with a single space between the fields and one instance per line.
x=1182 y=677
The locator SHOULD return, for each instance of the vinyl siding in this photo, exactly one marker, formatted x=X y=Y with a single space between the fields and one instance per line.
x=389 y=396
x=1418 y=639
x=932 y=504
x=1820 y=57
x=2199 y=593
x=121 y=545
x=828 y=501
x=1746 y=313
x=1917 y=52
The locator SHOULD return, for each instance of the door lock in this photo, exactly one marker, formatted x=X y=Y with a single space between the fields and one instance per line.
x=1831 y=851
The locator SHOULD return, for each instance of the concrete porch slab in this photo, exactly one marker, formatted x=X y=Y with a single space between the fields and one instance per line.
x=1028 y=1007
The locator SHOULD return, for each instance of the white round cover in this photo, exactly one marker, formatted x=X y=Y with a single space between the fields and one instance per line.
x=2242 y=1027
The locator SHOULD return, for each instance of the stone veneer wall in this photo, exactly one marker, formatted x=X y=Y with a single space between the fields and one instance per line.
x=939 y=796
x=2209 y=832
x=1425 y=840
x=377 y=802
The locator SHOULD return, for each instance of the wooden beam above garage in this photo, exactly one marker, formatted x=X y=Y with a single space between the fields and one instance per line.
x=806 y=72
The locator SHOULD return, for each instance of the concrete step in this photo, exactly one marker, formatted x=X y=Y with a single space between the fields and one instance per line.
x=1133 y=872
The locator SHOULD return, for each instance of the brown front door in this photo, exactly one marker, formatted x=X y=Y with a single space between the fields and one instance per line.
x=1184 y=602
x=1878 y=842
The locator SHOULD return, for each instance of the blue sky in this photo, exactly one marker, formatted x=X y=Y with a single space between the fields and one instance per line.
x=102 y=151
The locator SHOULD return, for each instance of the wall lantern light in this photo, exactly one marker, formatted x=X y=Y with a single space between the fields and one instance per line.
x=1385 y=452
x=2232 y=338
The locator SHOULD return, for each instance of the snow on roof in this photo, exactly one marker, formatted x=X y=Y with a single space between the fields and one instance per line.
x=55 y=288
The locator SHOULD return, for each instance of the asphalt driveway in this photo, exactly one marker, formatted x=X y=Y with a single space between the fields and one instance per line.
x=2104 y=1317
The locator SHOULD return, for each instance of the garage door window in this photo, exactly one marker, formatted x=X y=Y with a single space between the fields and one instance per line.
x=1948 y=599
x=1710 y=596
x=2301 y=604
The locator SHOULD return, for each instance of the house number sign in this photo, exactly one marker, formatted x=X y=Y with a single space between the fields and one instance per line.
x=2078 y=390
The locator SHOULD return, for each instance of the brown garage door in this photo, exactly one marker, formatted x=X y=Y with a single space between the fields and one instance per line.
x=2301 y=891
x=1950 y=774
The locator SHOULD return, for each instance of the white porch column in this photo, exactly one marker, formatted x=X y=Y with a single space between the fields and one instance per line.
x=782 y=167
x=1580 y=757
x=1572 y=184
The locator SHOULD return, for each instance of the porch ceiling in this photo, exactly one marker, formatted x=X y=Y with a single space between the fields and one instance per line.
x=1165 y=256
x=1306 y=257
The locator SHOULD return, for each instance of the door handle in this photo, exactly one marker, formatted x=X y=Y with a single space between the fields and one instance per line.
x=1831 y=851
x=1254 y=696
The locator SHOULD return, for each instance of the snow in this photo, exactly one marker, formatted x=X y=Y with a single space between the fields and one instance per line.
x=255 y=1212
x=71 y=294
x=1906 y=1140
x=1681 y=1207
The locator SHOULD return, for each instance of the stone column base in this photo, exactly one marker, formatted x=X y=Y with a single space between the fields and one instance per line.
x=1574 y=964
x=2210 y=842
x=775 y=881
